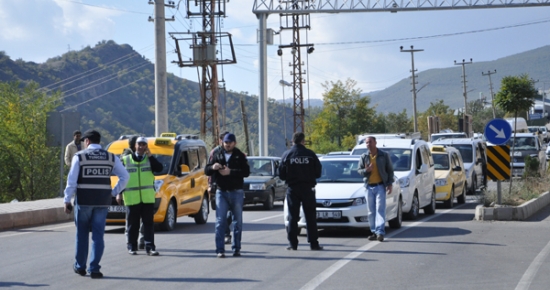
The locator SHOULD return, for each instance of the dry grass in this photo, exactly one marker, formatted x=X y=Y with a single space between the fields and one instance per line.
x=523 y=190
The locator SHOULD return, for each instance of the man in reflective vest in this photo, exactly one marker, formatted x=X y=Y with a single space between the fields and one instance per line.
x=139 y=196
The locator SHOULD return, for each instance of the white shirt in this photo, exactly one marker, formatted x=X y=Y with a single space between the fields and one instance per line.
x=72 y=178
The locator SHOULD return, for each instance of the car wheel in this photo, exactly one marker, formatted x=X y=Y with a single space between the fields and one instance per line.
x=202 y=216
x=169 y=222
x=474 y=184
x=449 y=202
x=396 y=222
x=415 y=208
x=461 y=199
x=430 y=208
x=268 y=204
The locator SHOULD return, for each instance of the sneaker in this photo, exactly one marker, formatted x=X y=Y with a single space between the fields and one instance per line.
x=380 y=238
x=291 y=248
x=316 y=248
x=221 y=255
x=228 y=240
x=237 y=254
x=132 y=252
x=79 y=272
x=96 y=275
x=372 y=237
x=141 y=246
x=152 y=253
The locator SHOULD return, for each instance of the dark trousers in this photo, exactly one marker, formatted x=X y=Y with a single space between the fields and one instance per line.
x=305 y=196
x=145 y=212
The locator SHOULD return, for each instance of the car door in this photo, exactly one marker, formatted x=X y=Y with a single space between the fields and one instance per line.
x=280 y=188
x=455 y=175
x=391 y=200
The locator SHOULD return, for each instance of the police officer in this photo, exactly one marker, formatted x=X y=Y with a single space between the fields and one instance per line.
x=90 y=179
x=139 y=196
x=300 y=167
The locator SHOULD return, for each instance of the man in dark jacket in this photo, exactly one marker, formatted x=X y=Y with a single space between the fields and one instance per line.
x=228 y=167
x=300 y=167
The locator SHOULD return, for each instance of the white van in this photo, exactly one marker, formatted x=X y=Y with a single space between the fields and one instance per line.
x=414 y=166
x=520 y=126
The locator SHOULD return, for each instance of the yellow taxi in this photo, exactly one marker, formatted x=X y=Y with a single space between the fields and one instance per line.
x=450 y=177
x=181 y=187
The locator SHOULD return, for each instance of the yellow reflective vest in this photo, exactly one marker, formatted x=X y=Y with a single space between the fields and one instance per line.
x=140 y=188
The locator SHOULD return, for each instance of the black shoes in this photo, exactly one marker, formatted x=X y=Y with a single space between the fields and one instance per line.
x=152 y=253
x=316 y=248
x=132 y=252
x=79 y=272
x=220 y=255
x=237 y=254
x=375 y=237
x=96 y=275
x=141 y=246
x=291 y=248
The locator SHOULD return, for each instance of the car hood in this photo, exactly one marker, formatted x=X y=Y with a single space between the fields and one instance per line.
x=257 y=179
x=441 y=174
x=339 y=190
x=400 y=174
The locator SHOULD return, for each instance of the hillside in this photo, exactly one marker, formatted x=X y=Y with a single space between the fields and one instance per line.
x=112 y=87
x=446 y=83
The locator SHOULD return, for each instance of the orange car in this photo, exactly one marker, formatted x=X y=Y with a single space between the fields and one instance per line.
x=181 y=187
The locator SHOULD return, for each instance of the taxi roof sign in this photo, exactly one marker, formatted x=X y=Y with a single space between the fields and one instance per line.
x=169 y=135
x=163 y=141
x=438 y=148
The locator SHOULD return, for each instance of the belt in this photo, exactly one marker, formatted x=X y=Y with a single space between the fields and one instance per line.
x=376 y=184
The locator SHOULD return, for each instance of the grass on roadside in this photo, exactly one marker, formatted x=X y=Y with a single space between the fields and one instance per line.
x=523 y=190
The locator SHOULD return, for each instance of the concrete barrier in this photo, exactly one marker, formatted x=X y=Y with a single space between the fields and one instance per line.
x=512 y=213
x=32 y=213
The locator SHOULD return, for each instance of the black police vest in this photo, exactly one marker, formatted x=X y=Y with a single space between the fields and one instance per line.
x=94 y=178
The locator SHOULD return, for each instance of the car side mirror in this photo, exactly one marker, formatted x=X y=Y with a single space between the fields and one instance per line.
x=423 y=168
x=184 y=169
x=457 y=168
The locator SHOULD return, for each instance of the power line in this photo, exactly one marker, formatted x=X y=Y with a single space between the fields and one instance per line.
x=106 y=8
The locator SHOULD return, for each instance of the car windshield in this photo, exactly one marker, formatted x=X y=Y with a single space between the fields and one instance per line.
x=523 y=143
x=165 y=161
x=436 y=137
x=533 y=129
x=400 y=158
x=465 y=151
x=260 y=167
x=340 y=171
x=441 y=161
x=359 y=151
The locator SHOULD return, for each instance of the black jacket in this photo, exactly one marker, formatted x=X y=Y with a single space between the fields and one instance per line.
x=238 y=165
x=300 y=166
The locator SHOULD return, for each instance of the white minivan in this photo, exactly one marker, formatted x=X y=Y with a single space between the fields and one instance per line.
x=414 y=166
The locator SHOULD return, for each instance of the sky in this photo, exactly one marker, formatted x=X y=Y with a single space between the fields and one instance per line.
x=364 y=47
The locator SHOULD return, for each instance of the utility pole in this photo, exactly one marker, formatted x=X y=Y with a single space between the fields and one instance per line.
x=161 y=96
x=205 y=46
x=245 y=127
x=489 y=73
x=413 y=71
x=465 y=94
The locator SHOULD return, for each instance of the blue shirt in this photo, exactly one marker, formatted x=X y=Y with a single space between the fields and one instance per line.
x=119 y=170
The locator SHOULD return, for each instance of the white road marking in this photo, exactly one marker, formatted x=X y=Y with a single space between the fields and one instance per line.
x=35 y=230
x=319 y=279
x=530 y=273
x=267 y=218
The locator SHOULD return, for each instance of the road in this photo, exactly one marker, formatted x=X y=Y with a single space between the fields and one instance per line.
x=446 y=250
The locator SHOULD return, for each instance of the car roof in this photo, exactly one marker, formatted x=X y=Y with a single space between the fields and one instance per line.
x=264 y=157
x=523 y=135
x=456 y=141
x=446 y=149
x=340 y=157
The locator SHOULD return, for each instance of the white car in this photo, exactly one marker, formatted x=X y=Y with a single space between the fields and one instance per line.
x=414 y=166
x=341 y=197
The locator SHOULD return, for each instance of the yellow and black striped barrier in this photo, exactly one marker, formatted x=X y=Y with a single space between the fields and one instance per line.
x=498 y=162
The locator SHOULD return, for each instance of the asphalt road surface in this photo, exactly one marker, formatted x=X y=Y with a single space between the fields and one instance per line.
x=446 y=250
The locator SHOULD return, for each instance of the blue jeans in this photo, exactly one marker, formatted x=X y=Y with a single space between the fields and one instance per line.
x=229 y=201
x=376 y=203
x=86 y=218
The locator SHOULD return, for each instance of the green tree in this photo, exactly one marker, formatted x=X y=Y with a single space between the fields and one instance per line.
x=517 y=93
x=345 y=114
x=29 y=170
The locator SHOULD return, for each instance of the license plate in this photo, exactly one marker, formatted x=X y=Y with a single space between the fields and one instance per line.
x=117 y=208
x=329 y=214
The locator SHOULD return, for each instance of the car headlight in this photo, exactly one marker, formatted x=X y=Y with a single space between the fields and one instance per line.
x=257 y=186
x=158 y=184
x=404 y=182
x=359 y=201
x=441 y=182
